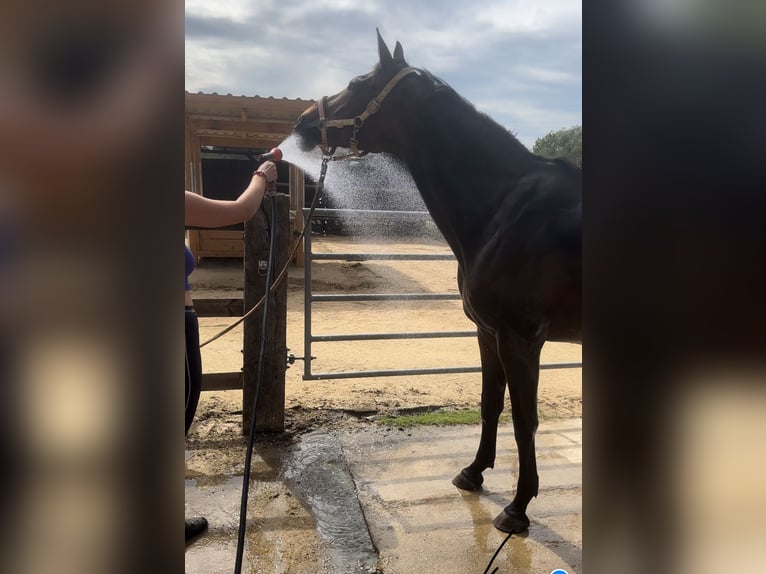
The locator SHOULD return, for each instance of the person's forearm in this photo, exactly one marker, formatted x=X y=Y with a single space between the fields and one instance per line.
x=250 y=200
x=207 y=212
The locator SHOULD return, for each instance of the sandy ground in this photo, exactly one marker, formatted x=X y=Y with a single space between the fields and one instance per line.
x=560 y=390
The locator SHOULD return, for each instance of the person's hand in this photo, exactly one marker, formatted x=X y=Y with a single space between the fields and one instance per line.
x=268 y=169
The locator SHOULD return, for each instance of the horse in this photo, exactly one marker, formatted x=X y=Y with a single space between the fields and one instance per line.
x=513 y=219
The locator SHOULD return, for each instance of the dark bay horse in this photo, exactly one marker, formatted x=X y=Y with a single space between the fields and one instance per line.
x=512 y=218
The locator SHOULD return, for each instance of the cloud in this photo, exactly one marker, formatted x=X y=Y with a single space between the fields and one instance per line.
x=233 y=10
x=530 y=18
x=527 y=119
x=547 y=75
x=508 y=55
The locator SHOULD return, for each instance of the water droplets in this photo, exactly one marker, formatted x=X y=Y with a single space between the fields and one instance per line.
x=308 y=161
x=375 y=182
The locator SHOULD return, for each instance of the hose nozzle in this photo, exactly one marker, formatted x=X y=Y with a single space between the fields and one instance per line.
x=273 y=155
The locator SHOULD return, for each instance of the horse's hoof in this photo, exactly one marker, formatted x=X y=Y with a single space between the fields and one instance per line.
x=466 y=481
x=512 y=521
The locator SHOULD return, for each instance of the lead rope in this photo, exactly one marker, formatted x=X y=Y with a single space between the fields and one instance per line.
x=319 y=189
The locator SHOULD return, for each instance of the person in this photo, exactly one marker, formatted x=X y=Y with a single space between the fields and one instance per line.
x=206 y=212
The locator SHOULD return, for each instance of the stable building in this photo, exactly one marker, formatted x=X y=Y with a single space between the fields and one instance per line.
x=223 y=133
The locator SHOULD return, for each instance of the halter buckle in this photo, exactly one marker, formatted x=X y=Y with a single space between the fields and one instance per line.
x=373 y=106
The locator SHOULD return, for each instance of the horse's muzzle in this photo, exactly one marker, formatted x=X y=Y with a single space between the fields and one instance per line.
x=307 y=129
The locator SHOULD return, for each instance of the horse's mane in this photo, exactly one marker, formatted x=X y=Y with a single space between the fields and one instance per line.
x=464 y=113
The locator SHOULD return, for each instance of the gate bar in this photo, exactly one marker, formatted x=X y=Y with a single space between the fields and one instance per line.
x=308 y=297
x=320 y=211
x=387 y=297
x=383 y=256
x=307 y=292
x=392 y=336
x=428 y=371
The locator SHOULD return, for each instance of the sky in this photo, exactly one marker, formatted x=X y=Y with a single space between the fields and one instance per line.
x=519 y=62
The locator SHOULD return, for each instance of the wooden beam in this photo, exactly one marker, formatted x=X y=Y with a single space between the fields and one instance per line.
x=221 y=381
x=297 y=200
x=195 y=117
x=237 y=125
x=223 y=140
x=219 y=307
x=251 y=139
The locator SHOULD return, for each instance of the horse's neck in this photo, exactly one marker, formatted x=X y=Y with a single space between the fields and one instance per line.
x=461 y=197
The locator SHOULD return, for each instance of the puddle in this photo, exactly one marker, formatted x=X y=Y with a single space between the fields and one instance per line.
x=303 y=512
x=318 y=472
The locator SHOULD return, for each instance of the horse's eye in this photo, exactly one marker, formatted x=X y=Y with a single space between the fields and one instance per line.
x=353 y=84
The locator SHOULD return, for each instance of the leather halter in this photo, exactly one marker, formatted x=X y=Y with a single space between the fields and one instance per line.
x=357 y=122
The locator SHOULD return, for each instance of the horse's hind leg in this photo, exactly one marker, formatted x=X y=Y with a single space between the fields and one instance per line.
x=492 y=396
x=521 y=361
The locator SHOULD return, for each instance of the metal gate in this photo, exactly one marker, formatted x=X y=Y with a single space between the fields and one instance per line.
x=310 y=298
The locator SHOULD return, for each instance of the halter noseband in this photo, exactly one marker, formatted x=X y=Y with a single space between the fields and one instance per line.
x=357 y=122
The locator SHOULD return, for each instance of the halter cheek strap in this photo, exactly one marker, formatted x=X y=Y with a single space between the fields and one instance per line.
x=322 y=125
x=372 y=107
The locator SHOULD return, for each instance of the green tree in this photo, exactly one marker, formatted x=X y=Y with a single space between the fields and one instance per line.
x=566 y=143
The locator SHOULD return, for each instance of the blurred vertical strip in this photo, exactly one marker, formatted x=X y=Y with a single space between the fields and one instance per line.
x=91 y=329
x=675 y=277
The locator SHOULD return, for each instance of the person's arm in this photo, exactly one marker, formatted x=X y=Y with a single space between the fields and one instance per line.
x=206 y=212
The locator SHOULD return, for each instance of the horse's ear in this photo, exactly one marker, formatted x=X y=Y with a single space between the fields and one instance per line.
x=399 y=53
x=383 y=53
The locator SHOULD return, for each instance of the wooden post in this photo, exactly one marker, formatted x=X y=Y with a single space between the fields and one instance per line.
x=297 y=201
x=271 y=402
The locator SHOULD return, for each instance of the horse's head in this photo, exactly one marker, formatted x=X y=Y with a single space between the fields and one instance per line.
x=366 y=114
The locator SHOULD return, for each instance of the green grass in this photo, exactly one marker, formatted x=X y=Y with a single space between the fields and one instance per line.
x=461 y=417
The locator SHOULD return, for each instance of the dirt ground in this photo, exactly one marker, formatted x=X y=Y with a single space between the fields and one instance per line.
x=215 y=445
x=560 y=390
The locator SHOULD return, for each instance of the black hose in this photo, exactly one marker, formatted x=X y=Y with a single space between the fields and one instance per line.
x=261 y=353
x=258 y=379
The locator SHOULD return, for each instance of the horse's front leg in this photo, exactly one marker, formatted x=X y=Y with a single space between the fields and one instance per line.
x=492 y=397
x=521 y=361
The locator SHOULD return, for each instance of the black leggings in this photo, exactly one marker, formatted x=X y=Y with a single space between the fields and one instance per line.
x=193 y=366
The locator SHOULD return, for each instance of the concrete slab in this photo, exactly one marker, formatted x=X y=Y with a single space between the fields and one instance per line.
x=421 y=523
x=381 y=500
x=281 y=535
x=303 y=513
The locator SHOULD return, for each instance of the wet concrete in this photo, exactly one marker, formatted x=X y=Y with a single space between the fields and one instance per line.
x=317 y=468
x=421 y=523
x=281 y=533
x=354 y=501
x=303 y=512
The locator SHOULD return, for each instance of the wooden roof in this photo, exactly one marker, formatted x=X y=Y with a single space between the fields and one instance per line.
x=242 y=116
x=235 y=107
